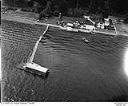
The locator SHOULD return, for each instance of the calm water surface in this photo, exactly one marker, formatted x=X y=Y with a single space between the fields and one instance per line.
x=78 y=71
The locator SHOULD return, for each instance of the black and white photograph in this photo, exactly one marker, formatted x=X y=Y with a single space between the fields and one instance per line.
x=64 y=51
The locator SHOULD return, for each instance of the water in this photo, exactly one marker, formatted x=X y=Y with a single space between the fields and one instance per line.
x=0 y=63
x=78 y=71
x=126 y=62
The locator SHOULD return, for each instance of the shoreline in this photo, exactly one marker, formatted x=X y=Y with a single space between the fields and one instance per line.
x=27 y=20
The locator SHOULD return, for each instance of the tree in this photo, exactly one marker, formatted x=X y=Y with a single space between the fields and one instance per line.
x=92 y=6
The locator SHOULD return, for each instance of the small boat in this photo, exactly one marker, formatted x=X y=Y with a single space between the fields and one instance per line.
x=85 y=40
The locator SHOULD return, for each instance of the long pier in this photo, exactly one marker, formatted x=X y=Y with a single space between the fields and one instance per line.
x=36 y=45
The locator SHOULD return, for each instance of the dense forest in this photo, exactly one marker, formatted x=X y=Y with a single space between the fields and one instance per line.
x=111 y=6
